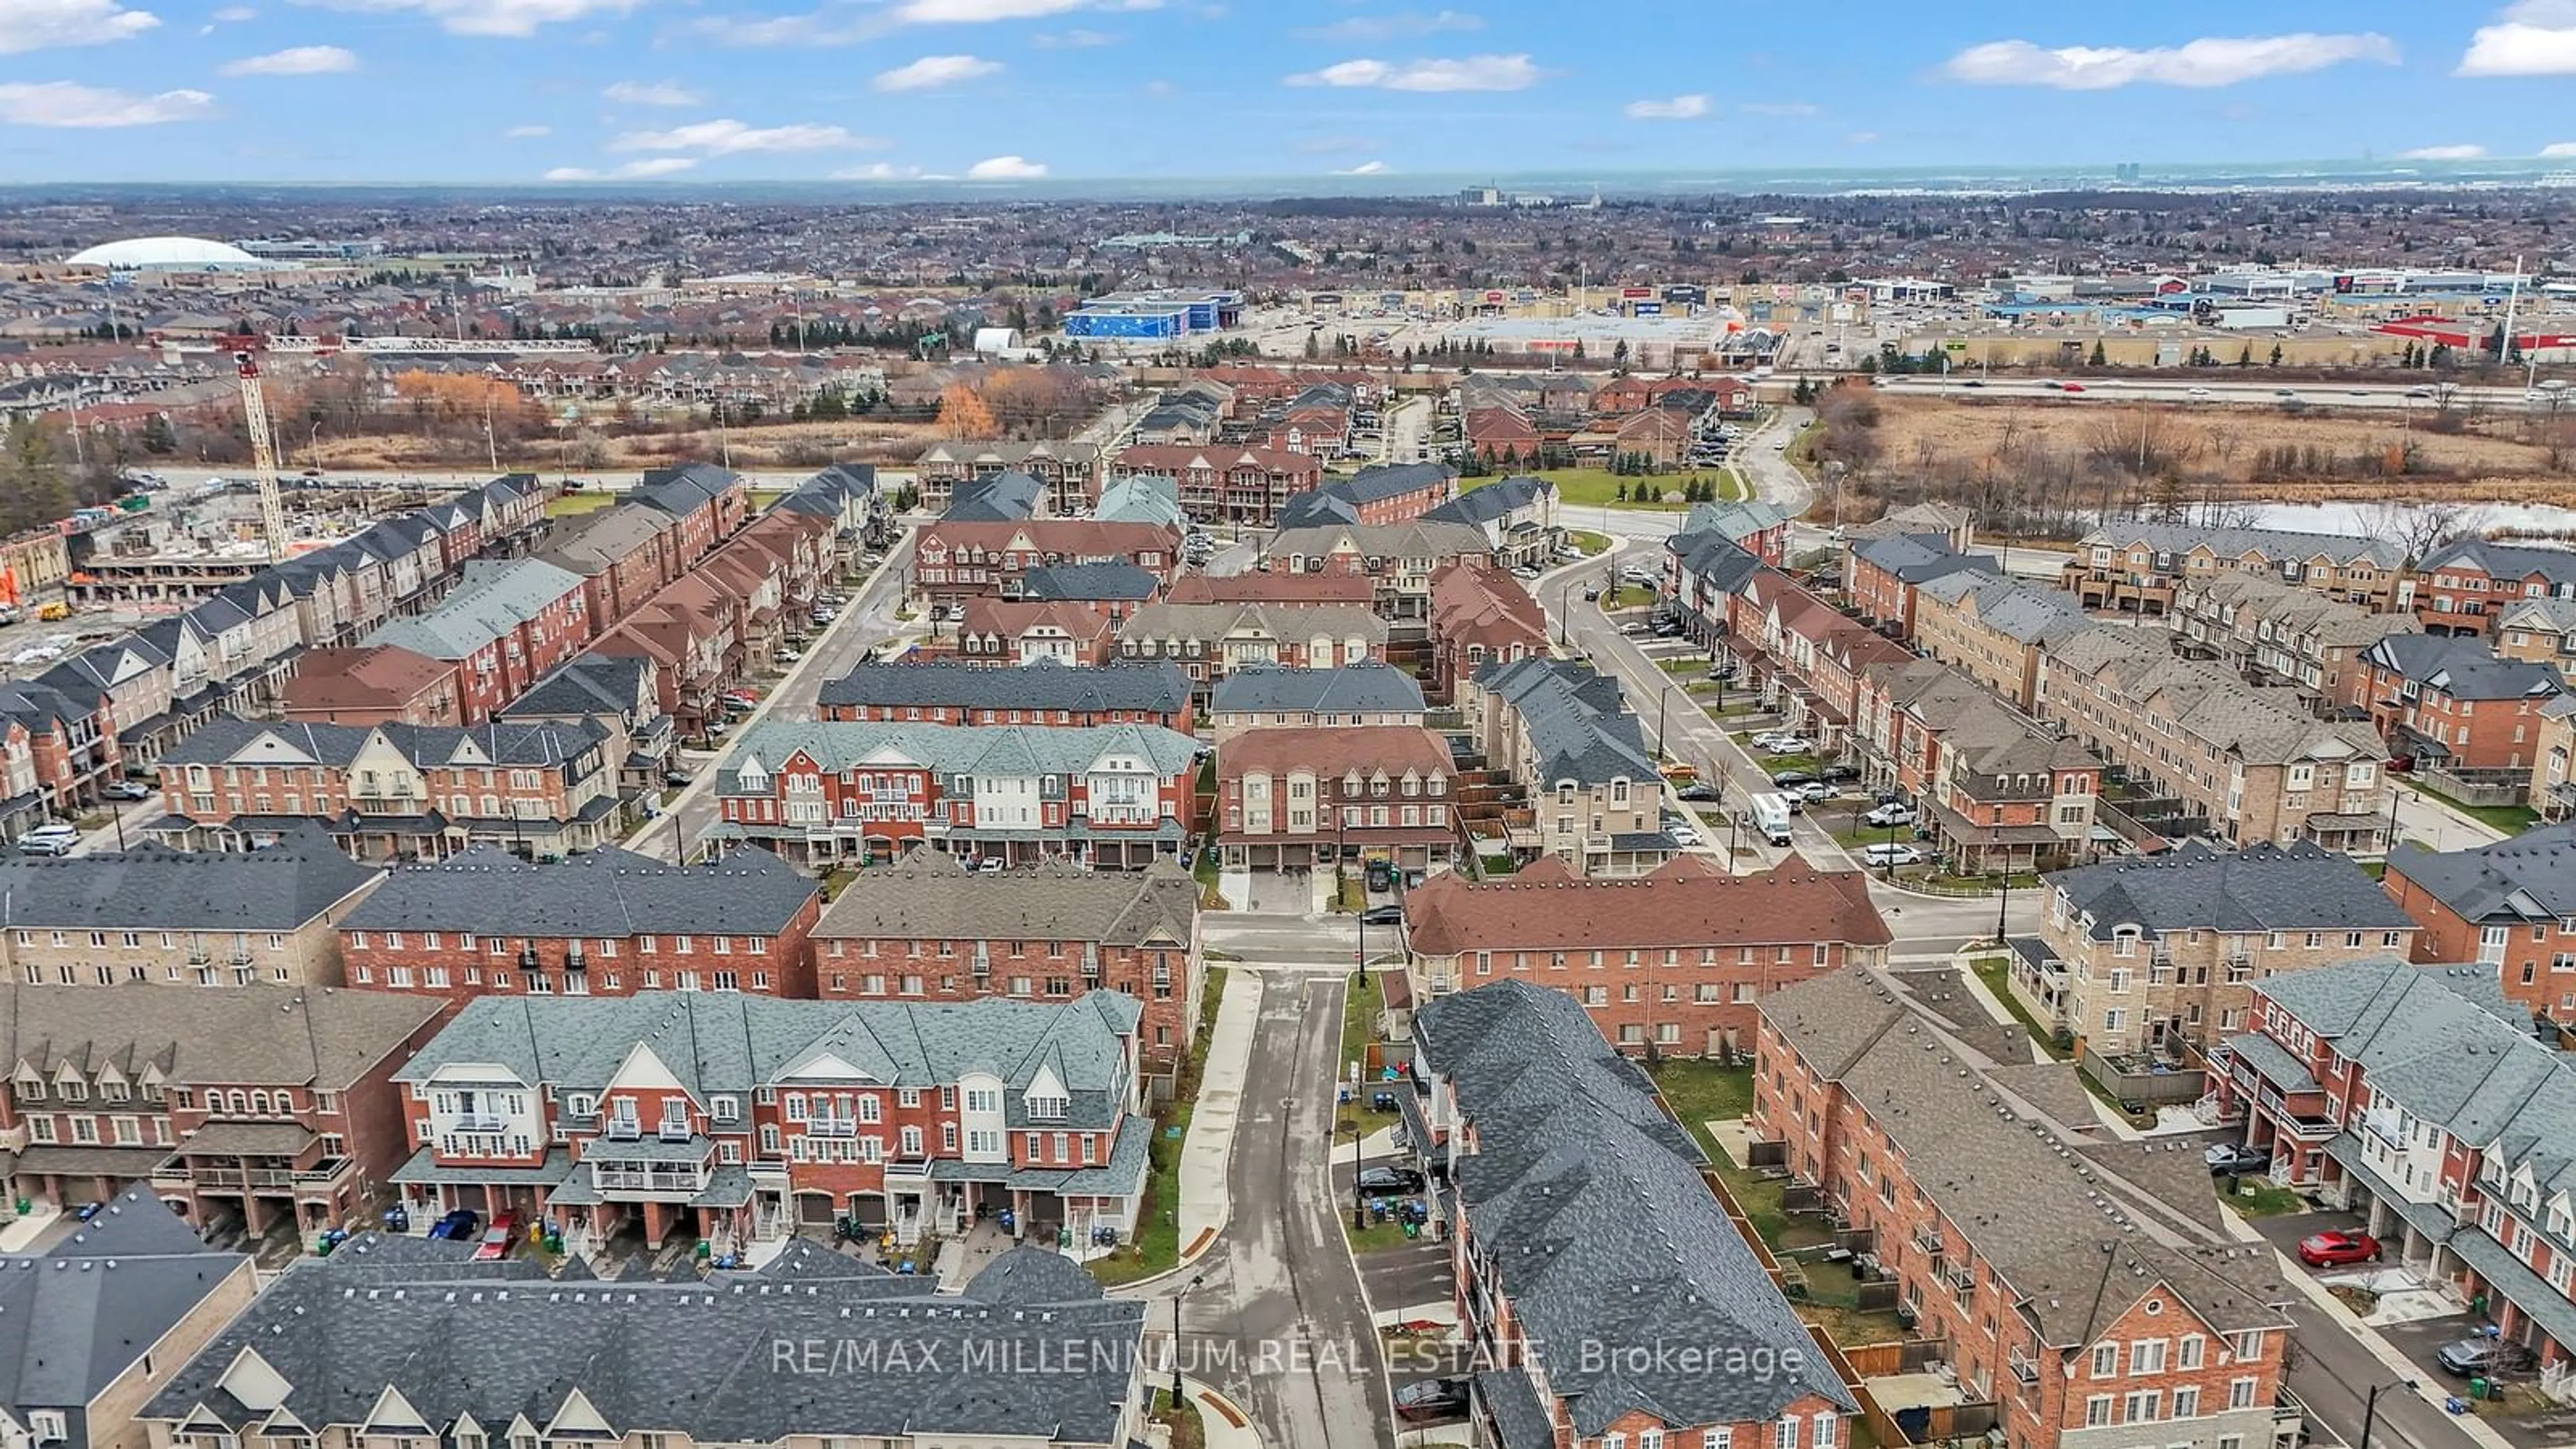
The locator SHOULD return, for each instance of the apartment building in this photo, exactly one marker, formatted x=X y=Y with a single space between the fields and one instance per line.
x=1069 y=471
x=955 y=560
x=2255 y=764
x=1211 y=641
x=1382 y=493
x=154 y=917
x=2539 y=631
x=2509 y=906
x=2413 y=1095
x=1043 y=692
x=2272 y=632
x=2066 y=1302
x=742 y=1119
x=269 y=1104
x=2448 y=699
x=1573 y=1190
x=1564 y=735
x=1480 y=615
x=2133 y=566
x=100 y=1355
x=390 y=791
x=925 y=929
x=1399 y=557
x=1999 y=791
x=1994 y=630
x=1261 y=697
x=1244 y=487
x=572 y=1362
x=1880 y=575
x=1293 y=798
x=609 y=922
x=1674 y=961
x=1519 y=518
x=2153 y=954
x=2463 y=587
x=1113 y=795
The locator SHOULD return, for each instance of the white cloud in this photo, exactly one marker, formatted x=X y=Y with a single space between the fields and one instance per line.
x=1679 y=108
x=2443 y=153
x=878 y=171
x=2559 y=148
x=571 y=173
x=730 y=137
x=1365 y=168
x=1404 y=22
x=1006 y=168
x=1472 y=73
x=644 y=170
x=653 y=93
x=528 y=133
x=79 y=107
x=1159 y=87
x=2199 y=64
x=296 y=60
x=1779 y=108
x=1861 y=138
x=2531 y=37
x=514 y=18
x=1076 y=39
x=978 y=12
x=933 y=71
x=27 y=25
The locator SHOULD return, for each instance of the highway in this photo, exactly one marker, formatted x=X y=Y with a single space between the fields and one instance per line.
x=2087 y=388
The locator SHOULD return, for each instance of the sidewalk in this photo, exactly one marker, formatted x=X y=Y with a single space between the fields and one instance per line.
x=2398 y=1365
x=1207 y=1151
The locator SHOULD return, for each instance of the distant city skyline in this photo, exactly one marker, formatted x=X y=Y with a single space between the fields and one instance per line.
x=1349 y=93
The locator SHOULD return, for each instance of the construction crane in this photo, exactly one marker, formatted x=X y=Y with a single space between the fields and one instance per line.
x=263 y=447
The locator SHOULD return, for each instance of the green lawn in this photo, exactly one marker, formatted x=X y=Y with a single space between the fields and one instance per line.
x=1599 y=487
x=1157 y=1244
x=570 y=505
x=1182 y=1419
x=762 y=498
x=1588 y=544
x=2511 y=819
x=1627 y=596
x=1996 y=972
x=2256 y=1198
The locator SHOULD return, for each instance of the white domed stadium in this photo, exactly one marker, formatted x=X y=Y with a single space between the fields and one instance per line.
x=169 y=254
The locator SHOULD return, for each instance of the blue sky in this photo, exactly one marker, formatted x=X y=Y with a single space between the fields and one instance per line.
x=741 y=90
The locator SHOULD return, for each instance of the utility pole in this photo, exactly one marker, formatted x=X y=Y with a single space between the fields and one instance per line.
x=2512 y=303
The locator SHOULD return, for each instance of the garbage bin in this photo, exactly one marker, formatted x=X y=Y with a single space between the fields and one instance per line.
x=2477 y=1388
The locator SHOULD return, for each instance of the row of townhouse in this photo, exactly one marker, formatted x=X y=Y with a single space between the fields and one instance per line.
x=1994 y=790
x=2417 y=1096
x=74 y=729
x=2539 y=631
x=1115 y=796
x=1806 y=656
x=1480 y=615
x=957 y=559
x=812 y=1347
x=398 y=791
x=1674 y=962
x=2465 y=587
x=739 y=1120
x=2274 y=632
x=1519 y=517
x=1069 y=471
x=1268 y=697
x=1995 y=630
x=1400 y=558
x=1212 y=641
x=2161 y=954
x=2450 y=700
x=2509 y=906
x=1378 y=495
x=2071 y=1309
x=2252 y=763
x=1565 y=736
x=1241 y=487
x=1046 y=691
x=154 y=917
x=270 y=1104
x=1291 y=798
x=2136 y=567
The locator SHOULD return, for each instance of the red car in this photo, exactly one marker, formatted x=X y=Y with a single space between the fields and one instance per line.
x=2326 y=1250
x=497 y=1238
x=2073 y=387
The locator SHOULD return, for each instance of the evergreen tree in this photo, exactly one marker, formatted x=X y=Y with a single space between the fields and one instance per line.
x=2099 y=359
x=157 y=437
x=2276 y=354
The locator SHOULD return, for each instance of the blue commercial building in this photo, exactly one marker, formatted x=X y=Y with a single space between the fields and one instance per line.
x=1159 y=316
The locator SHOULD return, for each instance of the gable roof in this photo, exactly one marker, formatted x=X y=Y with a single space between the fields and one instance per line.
x=75 y=1319
x=2463 y=668
x=603 y=893
x=1576 y=721
x=932 y=896
x=1157 y=686
x=1367 y=688
x=2264 y=887
x=2526 y=878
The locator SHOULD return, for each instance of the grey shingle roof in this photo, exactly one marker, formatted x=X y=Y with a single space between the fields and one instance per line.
x=2505 y=561
x=2463 y=668
x=2274 y=544
x=490 y=601
x=1589 y=1197
x=999 y=498
x=1576 y=721
x=608 y=893
x=931 y=896
x=150 y=889
x=684 y=490
x=1370 y=688
x=1156 y=685
x=1734 y=522
x=1088 y=581
x=684 y=1356
x=74 y=1319
x=545 y=743
x=1482 y=505
x=2529 y=877
x=2264 y=887
x=586 y=685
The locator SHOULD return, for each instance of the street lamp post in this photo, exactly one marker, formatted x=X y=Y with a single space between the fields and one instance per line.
x=1177 y=1295
x=2370 y=1406
x=1359 y=1195
x=2003 y=902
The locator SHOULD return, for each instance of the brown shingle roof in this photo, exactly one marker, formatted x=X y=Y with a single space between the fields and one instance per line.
x=1684 y=902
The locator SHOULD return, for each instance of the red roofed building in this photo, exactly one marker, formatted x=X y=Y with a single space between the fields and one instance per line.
x=373 y=685
x=1498 y=432
x=1226 y=485
x=1676 y=960
x=1261 y=586
x=1292 y=798
x=1007 y=631
x=956 y=560
x=1479 y=615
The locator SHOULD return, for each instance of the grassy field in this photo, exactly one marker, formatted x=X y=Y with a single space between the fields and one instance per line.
x=1590 y=545
x=571 y=505
x=1996 y=971
x=1599 y=487
x=2511 y=819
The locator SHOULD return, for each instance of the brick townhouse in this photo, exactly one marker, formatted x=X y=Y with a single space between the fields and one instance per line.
x=2553 y=763
x=1480 y=615
x=1399 y=557
x=624 y=554
x=1068 y=470
x=386 y=791
x=706 y=504
x=607 y=922
x=2163 y=952
x=1382 y=493
x=2408 y=1094
x=1518 y=516
x=1355 y=694
x=738 y=1119
x=625 y=690
x=1112 y=795
x=2449 y=700
x=1287 y=590
x=1881 y=575
x=1043 y=692
x=2252 y=763
x=2461 y=587
x=378 y=684
x=1757 y=527
x=1211 y=641
x=270 y=1105
x=925 y=929
x=1802 y=653
x=166 y=918
x=1998 y=791
x=1673 y=961
x=2509 y=906
x=1245 y=487
x=2276 y=633
x=506 y=625
x=1565 y=735
x=2133 y=566
x=2018 y=1252
x=1293 y=798
x=2539 y=631
x=953 y=560
x=1006 y=631
x=1582 y=1235
x=1994 y=630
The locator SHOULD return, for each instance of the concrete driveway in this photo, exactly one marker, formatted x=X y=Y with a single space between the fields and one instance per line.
x=1282 y=892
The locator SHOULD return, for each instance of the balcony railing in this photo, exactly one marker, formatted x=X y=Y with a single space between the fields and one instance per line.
x=479 y=1122
x=626 y=1179
x=2023 y=1368
x=831 y=1127
x=916 y=1168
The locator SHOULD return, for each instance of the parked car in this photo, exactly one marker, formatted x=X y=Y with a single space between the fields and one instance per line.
x=54 y=839
x=1382 y=916
x=1684 y=836
x=1890 y=814
x=2237 y=1158
x=1591 y=596
x=1636 y=628
x=1884 y=856
x=2327 y=1250
x=1815 y=792
x=497 y=1238
x=1426 y=1400
x=1698 y=792
x=1390 y=1180
x=677 y=778
x=2475 y=1357
x=1792 y=779
x=456 y=1226
x=129 y=790
x=1834 y=773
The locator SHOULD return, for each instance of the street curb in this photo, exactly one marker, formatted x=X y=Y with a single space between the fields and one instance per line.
x=2378 y=1347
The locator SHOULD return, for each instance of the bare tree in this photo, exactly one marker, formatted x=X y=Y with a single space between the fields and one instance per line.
x=2416 y=528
